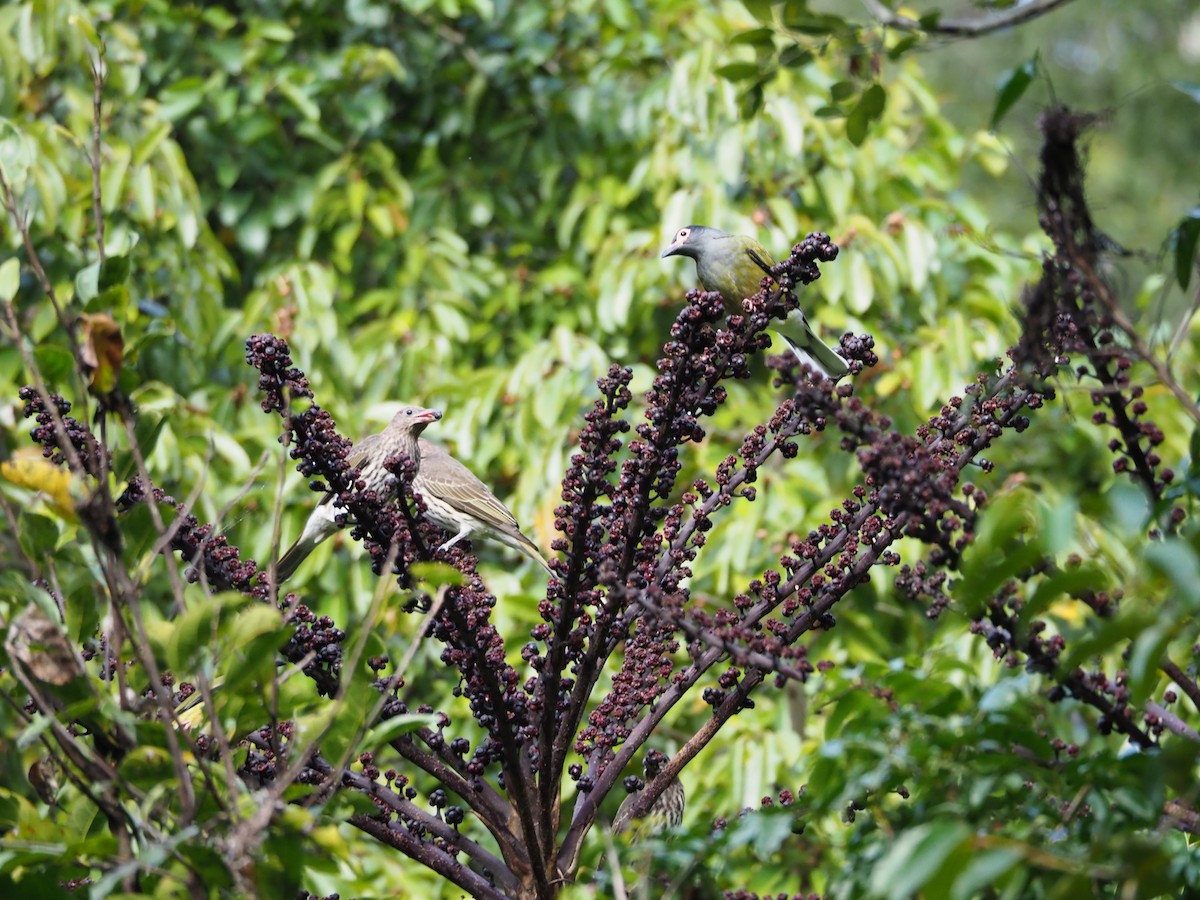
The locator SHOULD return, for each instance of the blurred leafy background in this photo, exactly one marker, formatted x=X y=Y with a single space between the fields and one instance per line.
x=462 y=202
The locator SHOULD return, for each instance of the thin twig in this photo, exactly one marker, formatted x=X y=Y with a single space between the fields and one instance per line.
x=1185 y=322
x=99 y=72
x=964 y=26
x=1113 y=308
x=1172 y=722
x=1186 y=684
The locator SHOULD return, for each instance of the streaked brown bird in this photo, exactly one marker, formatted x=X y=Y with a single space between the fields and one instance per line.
x=368 y=456
x=664 y=813
x=458 y=502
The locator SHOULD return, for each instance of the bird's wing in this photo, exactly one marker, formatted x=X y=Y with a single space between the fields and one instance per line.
x=361 y=450
x=760 y=258
x=811 y=349
x=357 y=458
x=622 y=818
x=455 y=484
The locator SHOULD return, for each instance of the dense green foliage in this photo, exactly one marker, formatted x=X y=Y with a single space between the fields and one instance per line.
x=462 y=203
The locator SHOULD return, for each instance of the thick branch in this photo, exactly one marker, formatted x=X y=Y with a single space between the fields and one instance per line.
x=494 y=811
x=429 y=856
x=408 y=810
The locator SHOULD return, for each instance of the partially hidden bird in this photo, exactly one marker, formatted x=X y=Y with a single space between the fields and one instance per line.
x=458 y=502
x=664 y=813
x=733 y=265
x=368 y=456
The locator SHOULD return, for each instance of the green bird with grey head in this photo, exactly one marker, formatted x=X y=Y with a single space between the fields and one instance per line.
x=733 y=265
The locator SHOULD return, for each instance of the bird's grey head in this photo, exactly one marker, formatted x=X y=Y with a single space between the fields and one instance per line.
x=416 y=417
x=692 y=241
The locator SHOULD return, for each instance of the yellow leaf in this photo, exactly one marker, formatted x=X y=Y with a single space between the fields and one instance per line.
x=30 y=470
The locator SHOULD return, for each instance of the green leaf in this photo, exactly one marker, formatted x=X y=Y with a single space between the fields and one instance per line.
x=17 y=152
x=760 y=9
x=147 y=428
x=178 y=100
x=253 y=621
x=149 y=143
x=342 y=804
x=1186 y=237
x=37 y=534
x=916 y=858
x=1006 y=544
x=869 y=107
x=841 y=90
x=390 y=729
x=1058 y=524
x=295 y=95
x=340 y=724
x=114 y=272
x=56 y=362
x=219 y=19
x=1175 y=561
x=139 y=532
x=1194 y=451
x=846 y=711
x=147 y=766
x=196 y=628
x=1069 y=582
x=10 y=278
x=254 y=636
x=274 y=31
x=903 y=45
x=1012 y=85
x=1145 y=657
x=11 y=807
x=87 y=283
x=1126 y=626
x=114 y=301
x=873 y=101
x=795 y=56
x=17 y=593
x=860 y=289
x=87 y=29
x=436 y=574
x=757 y=37
x=983 y=871
x=1128 y=509
x=751 y=101
x=816 y=24
x=739 y=71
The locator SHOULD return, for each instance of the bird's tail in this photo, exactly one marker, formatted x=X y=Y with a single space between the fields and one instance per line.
x=320 y=525
x=518 y=541
x=808 y=348
x=296 y=554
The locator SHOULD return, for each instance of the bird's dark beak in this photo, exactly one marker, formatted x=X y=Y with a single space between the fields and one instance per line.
x=670 y=251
